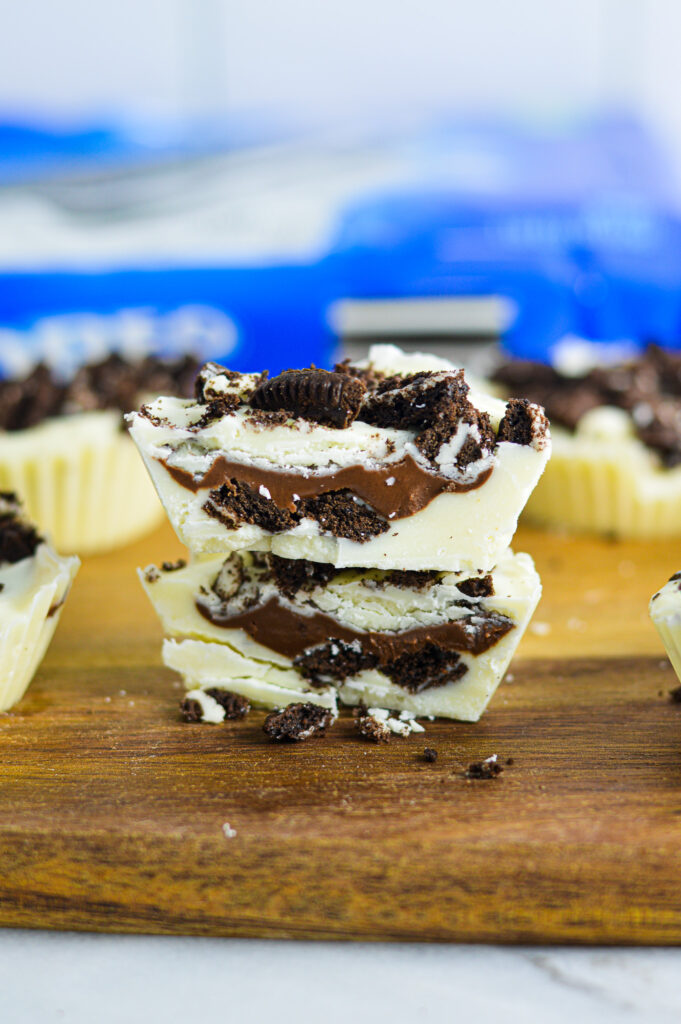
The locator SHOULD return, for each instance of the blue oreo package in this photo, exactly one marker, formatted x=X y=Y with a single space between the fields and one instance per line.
x=115 y=240
x=576 y=230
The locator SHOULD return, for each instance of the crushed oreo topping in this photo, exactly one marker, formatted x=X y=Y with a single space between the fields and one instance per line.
x=211 y=381
x=477 y=586
x=174 y=566
x=233 y=704
x=18 y=537
x=675 y=695
x=113 y=383
x=436 y=404
x=648 y=388
x=487 y=769
x=523 y=423
x=325 y=397
x=430 y=755
x=151 y=574
x=297 y=722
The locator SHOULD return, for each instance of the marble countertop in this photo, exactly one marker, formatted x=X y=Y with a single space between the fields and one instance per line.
x=52 y=976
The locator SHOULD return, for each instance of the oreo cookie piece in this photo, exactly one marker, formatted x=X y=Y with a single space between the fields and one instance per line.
x=322 y=396
x=297 y=722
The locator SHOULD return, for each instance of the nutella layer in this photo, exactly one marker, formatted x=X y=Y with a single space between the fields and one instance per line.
x=394 y=464
x=34 y=584
x=616 y=461
x=665 y=612
x=276 y=630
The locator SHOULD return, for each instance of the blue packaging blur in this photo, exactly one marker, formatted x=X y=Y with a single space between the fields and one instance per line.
x=237 y=244
x=576 y=229
x=114 y=244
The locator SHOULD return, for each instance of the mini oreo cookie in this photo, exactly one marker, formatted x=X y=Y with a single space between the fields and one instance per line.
x=330 y=398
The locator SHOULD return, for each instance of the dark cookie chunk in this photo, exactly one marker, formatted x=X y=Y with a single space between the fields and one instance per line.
x=658 y=425
x=191 y=710
x=370 y=378
x=293 y=574
x=343 y=515
x=113 y=383
x=265 y=418
x=297 y=722
x=25 y=403
x=235 y=503
x=522 y=423
x=435 y=403
x=226 y=405
x=116 y=383
x=233 y=704
x=430 y=755
x=173 y=566
x=319 y=395
x=371 y=728
x=415 y=401
x=426 y=668
x=488 y=769
x=18 y=537
x=203 y=392
x=334 y=660
x=412 y=579
x=675 y=695
x=477 y=586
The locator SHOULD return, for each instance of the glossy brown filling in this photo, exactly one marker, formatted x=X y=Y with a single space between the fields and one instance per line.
x=289 y=633
x=413 y=487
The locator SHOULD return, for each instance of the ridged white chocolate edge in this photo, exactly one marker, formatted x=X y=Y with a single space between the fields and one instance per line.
x=267 y=678
x=81 y=481
x=665 y=612
x=602 y=479
x=31 y=588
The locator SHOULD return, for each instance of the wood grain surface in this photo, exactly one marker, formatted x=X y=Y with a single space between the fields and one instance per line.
x=112 y=810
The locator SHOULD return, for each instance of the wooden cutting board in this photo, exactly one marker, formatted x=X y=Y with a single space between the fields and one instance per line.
x=112 y=810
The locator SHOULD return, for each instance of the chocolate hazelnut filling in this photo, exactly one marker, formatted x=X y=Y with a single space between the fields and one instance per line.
x=412 y=487
x=322 y=647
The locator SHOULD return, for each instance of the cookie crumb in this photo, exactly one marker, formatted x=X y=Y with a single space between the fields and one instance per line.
x=191 y=710
x=233 y=704
x=487 y=769
x=297 y=722
x=151 y=574
x=174 y=566
x=430 y=755
x=675 y=695
x=372 y=728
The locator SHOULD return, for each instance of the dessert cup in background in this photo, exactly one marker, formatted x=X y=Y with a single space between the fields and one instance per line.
x=65 y=449
x=665 y=611
x=615 y=468
x=34 y=584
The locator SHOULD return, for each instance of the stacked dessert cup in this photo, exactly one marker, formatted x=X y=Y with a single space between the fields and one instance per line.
x=349 y=535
